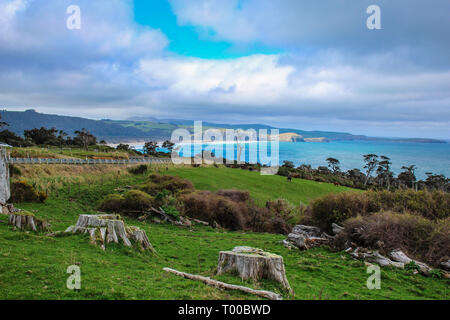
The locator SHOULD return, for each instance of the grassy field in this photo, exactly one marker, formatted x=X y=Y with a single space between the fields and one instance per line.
x=60 y=153
x=33 y=266
x=262 y=188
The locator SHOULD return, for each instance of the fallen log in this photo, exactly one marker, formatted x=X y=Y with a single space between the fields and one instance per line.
x=222 y=285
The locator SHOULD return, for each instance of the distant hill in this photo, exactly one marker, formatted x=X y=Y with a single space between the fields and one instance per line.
x=141 y=129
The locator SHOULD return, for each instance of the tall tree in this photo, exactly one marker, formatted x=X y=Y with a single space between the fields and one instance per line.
x=408 y=176
x=384 y=171
x=168 y=145
x=84 y=138
x=42 y=136
x=334 y=165
x=150 y=148
x=371 y=161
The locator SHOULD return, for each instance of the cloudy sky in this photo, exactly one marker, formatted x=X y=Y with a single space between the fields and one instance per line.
x=290 y=63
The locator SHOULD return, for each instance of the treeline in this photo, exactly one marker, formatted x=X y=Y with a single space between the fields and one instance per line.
x=81 y=138
x=377 y=175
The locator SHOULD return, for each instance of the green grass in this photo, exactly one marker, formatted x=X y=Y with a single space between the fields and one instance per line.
x=262 y=188
x=33 y=266
x=58 y=153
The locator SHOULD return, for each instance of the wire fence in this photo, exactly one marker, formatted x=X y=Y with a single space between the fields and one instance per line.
x=88 y=161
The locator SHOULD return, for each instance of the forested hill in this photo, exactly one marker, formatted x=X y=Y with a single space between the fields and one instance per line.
x=115 y=131
x=20 y=121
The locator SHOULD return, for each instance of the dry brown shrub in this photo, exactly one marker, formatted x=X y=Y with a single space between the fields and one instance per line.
x=418 y=237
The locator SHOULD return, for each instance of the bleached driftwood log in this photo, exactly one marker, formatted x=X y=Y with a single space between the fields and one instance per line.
x=107 y=228
x=305 y=237
x=255 y=264
x=375 y=257
x=25 y=220
x=400 y=256
x=222 y=285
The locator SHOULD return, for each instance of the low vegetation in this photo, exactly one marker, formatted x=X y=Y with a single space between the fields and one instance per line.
x=314 y=274
x=21 y=191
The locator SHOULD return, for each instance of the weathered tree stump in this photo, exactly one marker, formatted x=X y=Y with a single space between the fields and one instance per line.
x=255 y=264
x=25 y=220
x=107 y=228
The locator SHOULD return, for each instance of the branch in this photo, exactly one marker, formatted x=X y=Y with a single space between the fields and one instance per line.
x=222 y=285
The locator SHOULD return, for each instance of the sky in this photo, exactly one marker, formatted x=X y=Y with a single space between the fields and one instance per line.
x=303 y=64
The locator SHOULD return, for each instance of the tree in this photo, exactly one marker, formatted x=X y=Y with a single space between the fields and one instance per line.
x=168 y=145
x=42 y=136
x=437 y=181
x=334 y=165
x=123 y=147
x=408 y=176
x=13 y=140
x=150 y=148
x=371 y=161
x=84 y=138
x=2 y=123
x=384 y=171
x=288 y=164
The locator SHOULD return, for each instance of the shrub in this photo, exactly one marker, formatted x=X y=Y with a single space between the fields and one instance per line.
x=431 y=205
x=337 y=208
x=21 y=191
x=112 y=203
x=158 y=183
x=14 y=171
x=418 y=237
x=138 y=200
x=141 y=169
x=235 y=195
x=235 y=210
x=134 y=200
x=210 y=207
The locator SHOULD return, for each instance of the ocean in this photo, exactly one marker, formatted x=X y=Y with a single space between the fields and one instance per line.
x=428 y=157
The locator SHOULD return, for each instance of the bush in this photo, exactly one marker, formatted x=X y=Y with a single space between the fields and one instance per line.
x=138 y=200
x=235 y=210
x=431 y=205
x=337 y=208
x=235 y=195
x=172 y=184
x=141 y=169
x=21 y=191
x=112 y=203
x=210 y=207
x=134 y=200
x=14 y=171
x=418 y=237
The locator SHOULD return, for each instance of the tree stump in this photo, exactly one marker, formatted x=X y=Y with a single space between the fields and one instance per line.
x=255 y=264
x=107 y=228
x=25 y=220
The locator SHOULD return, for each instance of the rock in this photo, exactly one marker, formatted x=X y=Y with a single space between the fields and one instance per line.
x=445 y=265
x=5 y=191
x=253 y=263
x=337 y=228
x=107 y=228
x=400 y=256
x=305 y=237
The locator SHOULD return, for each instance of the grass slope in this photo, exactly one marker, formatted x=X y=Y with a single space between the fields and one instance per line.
x=34 y=266
x=262 y=188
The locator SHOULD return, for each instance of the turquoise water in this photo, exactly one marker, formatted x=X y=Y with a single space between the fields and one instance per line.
x=428 y=157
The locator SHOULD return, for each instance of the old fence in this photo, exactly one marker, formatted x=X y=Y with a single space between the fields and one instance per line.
x=89 y=161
